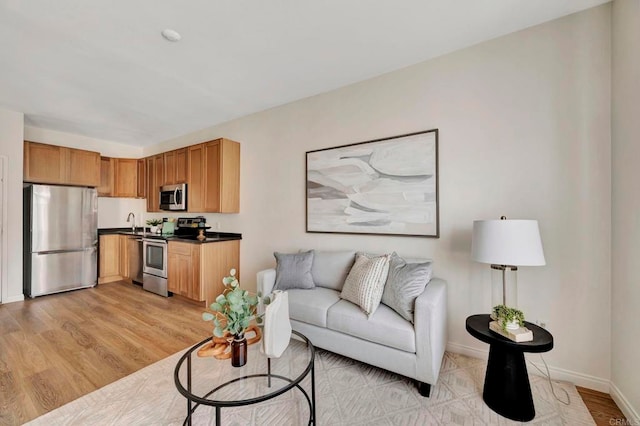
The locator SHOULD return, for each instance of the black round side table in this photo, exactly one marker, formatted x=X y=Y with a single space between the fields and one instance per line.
x=506 y=384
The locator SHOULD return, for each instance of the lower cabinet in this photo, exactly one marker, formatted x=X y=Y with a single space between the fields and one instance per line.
x=114 y=258
x=196 y=270
x=109 y=268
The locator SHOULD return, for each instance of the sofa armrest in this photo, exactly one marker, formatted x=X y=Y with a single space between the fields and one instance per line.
x=430 y=320
x=265 y=281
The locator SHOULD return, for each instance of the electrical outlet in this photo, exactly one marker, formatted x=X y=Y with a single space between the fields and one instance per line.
x=218 y=226
x=542 y=323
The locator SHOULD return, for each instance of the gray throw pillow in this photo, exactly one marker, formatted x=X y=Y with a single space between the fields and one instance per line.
x=405 y=282
x=294 y=271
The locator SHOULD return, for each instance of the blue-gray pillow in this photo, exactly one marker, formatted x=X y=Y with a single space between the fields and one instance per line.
x=405 y=282
x=294 y=271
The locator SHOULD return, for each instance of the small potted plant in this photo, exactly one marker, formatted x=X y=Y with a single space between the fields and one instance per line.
x=153 y=225
x=508 y=318
x=233 y=311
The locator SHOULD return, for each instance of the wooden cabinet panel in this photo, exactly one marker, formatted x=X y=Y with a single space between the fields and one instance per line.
x=175 y=166
x=184 y=270
x=142 y=181
x=181 y=165
x=169 y=167
x=109 y=258
x=125 y=178
x=124 y=257
x=83 y=167
x=43 y=163
x=106 y=177
x=196 y=270
x=195 y=178
x=217 y=260
x=155 y=179
x=213 y=176
x=60 y=165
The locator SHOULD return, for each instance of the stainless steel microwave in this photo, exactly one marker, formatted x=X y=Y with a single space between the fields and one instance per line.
x=173 y=197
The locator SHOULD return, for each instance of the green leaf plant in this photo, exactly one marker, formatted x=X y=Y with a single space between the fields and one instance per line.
x=233 y=309
x=504 y=315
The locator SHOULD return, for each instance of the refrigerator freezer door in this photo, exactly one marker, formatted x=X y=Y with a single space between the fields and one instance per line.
x=61 y=271
x=89 y=218
x=57 y=218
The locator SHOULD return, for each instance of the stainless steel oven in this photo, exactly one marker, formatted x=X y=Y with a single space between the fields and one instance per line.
x=173 y=197
x=154 y=266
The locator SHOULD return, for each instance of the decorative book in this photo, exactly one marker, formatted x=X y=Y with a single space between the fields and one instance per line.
x=277 y=327
x=522 y=334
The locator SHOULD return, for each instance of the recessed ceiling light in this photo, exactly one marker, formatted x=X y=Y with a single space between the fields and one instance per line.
x=171 y=35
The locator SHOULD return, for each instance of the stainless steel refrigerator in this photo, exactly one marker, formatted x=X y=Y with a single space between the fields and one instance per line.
x=60 y=238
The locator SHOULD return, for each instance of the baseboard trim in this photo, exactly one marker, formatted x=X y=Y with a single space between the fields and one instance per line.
x=623 y=403
x=574 y=377
x=12 y=299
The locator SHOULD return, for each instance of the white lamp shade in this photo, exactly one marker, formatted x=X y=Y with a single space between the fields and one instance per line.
x=507 y=242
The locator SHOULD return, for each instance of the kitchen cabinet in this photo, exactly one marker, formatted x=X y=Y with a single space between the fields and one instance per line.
x=184 y=270
x=214 y=177
x=124 y=257
x=109 y=268
x=142 y=181
x=196 y=271
x=53 y=164
x=155 y=179
x=175 y=166
x=119 y=177
x=114 y=258
x=125 y=178
x=106 y=177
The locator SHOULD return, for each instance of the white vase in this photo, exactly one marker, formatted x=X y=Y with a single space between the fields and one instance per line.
x=513 y=325
x=153 y=229
x=277 y=327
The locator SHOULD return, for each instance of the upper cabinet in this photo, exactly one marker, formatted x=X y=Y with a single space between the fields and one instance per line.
x=60 y=165
x=214 y=177
x=121 y=177
x=142 y=180
x=155 y=179
x=175 y=167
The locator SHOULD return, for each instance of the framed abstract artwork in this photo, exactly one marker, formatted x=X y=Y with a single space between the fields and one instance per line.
x=385 y=187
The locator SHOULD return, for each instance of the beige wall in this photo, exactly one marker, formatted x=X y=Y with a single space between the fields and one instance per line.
x=625 y=325
x=11 y=128
x=524 y=132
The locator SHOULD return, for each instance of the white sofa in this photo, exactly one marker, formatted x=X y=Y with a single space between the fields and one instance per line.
x=385 y=340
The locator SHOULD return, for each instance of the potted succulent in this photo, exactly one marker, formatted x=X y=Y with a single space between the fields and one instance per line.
x=508 y=318
x=233 y=311
x=153 y=225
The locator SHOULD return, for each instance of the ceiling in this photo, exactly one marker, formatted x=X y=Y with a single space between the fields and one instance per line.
x=101 y=68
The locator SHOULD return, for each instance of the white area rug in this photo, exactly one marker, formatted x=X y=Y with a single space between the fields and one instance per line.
x=347 y=393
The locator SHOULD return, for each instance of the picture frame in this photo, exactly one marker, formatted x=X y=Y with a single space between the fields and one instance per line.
x=384 y=186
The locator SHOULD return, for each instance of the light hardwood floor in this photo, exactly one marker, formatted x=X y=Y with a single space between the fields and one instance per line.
x=56 y=348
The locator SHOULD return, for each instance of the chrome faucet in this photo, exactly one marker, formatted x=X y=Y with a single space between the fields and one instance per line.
x=133 y=222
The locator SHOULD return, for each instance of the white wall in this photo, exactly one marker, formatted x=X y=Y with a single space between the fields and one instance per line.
x=11 y=146
x=625 y=325
x=524 y=132
x=112 y=212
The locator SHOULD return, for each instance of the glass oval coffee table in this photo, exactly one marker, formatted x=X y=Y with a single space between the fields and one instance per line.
x=212 y=382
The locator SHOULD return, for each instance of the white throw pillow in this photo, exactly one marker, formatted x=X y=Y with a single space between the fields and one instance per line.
x=365 y=283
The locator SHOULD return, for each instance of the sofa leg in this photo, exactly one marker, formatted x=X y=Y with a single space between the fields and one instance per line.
x=424 y=389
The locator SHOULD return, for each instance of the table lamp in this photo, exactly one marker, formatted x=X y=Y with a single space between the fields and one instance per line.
x=506 y=244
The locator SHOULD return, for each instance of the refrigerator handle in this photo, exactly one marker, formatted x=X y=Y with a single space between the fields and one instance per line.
x=41 y=253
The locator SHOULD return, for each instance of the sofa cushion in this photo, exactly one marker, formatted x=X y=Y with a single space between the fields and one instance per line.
x=405 y=282
x=385 y=327
x=330 y=268
x=365 y=283
x=311 y=306
x=293 y=270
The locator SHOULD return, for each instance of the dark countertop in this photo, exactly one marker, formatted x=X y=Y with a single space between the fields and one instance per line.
x=212 y=237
